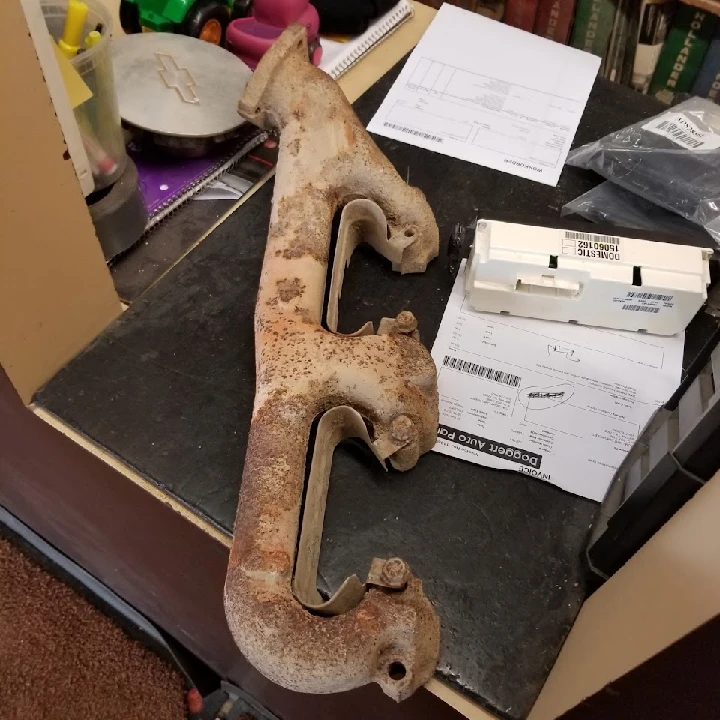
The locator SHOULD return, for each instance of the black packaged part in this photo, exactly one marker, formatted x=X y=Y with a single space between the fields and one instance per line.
x=671 y=160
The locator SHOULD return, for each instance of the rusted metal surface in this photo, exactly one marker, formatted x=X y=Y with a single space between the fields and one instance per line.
x=379 y=387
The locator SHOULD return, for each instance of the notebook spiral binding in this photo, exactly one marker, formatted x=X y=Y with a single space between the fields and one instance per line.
x=174 y=202
x=384 y=27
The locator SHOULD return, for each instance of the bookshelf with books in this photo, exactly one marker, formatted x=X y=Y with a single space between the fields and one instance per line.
x=493 y=9
x=554 y=19
x=521 y=14
x=655 y=19
x=592 y=25
x=688 y=40
x=707 y=83
x=665 y=48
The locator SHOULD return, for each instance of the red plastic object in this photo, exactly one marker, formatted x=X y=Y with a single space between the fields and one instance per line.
x=194 y=701
x=250 y=38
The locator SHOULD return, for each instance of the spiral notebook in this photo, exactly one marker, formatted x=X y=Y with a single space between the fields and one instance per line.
x=167 y=182
x=339 y=57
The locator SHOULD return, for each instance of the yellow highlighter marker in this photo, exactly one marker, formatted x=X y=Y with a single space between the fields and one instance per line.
x=69 y=43
x=92 y=39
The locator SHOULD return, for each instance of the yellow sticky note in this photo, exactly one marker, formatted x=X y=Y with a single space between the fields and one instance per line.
x=76 y=87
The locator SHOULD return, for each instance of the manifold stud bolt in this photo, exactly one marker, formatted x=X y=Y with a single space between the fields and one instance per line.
x=395 y=572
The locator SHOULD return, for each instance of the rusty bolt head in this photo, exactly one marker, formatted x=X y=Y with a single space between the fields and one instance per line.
x=406 y=322
x=401 y=429
x=395 y=572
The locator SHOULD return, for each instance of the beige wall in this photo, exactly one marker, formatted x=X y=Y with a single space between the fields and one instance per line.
x=112 y=6
x=56 y=293
x=670 y=587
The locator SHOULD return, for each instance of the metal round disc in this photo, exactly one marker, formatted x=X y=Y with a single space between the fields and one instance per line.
x=177 y=85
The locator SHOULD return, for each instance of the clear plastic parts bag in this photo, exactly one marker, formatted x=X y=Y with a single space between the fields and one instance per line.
x=671 y=160
x=609 y=203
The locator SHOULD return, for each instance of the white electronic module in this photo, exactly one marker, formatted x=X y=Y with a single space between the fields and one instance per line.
x=586 y=278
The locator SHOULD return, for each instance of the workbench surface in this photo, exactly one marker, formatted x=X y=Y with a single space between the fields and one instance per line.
x=168 y=389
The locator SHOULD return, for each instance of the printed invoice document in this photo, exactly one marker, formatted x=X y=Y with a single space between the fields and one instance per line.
x=562 y=403
x=478 y=90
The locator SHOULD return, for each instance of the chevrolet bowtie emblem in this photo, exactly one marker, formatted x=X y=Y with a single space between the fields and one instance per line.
x=177 y=78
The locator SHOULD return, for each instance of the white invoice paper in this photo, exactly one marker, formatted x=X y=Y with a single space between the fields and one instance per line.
x=478 y=90
x=563 y=403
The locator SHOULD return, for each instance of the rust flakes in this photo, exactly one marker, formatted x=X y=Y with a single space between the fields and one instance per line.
x=275 y=561
x=290 y=289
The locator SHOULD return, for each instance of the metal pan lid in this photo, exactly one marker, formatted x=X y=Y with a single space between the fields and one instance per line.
x=177 y=85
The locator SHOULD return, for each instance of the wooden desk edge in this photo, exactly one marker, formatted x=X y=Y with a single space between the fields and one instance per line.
x=447 y=694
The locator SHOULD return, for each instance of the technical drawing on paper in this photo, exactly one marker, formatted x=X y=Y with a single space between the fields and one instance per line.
x=449 y=103
x=540 y=405
x=483 y=92
x=567 y=352
x=648 y=351
x=557 y=401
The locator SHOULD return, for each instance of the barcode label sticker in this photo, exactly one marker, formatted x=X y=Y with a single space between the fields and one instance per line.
x=682 y=131
x=648 y=302
x=650 y=296
x=481 y=371
x=591 y=245
x=412 y=131
x=641 y=308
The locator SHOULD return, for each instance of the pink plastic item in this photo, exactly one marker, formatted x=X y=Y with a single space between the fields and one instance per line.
x=250 y=38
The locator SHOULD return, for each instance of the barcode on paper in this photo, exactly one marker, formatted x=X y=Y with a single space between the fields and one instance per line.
x=481 y=371
x=679 y=134
x=641 y=308
x=411 y=131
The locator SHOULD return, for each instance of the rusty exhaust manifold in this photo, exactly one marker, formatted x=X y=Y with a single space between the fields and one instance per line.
x=377 y=387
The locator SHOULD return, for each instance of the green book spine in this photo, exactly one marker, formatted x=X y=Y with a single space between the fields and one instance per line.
x=685 y=47
x=593 y=24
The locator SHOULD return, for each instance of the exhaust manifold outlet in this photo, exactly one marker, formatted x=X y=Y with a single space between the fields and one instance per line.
x=381 y=388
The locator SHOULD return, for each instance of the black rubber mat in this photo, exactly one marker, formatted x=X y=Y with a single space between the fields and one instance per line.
x=169 y=389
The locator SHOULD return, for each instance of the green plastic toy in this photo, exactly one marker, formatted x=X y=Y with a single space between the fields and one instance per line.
x=204 y=19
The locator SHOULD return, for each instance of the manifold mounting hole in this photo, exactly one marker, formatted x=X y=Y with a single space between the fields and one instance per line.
x=396 y=670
